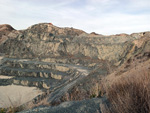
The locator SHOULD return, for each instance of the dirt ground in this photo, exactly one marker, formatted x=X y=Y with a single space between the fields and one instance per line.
x=13 y=95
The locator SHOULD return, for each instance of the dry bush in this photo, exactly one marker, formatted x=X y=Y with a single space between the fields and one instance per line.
x=129 y=94
x=32 y=105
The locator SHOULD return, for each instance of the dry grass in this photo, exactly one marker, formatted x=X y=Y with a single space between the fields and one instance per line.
x=129 y=94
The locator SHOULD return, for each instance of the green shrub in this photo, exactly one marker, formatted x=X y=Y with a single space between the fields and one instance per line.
x=2 y=110
x=93 y=96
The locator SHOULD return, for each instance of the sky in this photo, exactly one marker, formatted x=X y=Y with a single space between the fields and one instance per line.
x=105 y=17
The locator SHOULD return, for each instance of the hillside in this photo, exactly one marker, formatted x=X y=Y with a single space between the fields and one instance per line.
x=70 y=67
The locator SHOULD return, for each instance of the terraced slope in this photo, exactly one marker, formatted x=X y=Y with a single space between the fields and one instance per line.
x=49 y=77
x=40 y=74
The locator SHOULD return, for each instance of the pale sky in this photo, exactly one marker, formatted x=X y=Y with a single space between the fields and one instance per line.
x=100 y=16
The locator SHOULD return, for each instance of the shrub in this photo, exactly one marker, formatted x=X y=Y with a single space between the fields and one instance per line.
x=14 y=106
x=93 y=96
x=2 y=110
x=129 y=94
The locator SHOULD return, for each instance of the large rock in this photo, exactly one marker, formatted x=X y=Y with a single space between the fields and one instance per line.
x=85 y=106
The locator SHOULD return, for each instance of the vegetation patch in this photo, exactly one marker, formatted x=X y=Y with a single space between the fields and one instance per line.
x=129 y=94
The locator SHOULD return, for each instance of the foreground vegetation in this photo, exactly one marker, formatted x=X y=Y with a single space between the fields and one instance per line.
x=10 y=110
x=129 y=94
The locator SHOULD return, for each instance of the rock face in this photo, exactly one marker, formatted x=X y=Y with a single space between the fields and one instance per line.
x=66 y=63
x=5 y=29
x=45 y=40
x=7 y=32
x=85 y=106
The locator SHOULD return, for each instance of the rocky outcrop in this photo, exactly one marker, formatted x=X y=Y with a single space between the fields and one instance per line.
x=84 y=106
x=5 y=29
x=6 y=32
x=44 y=41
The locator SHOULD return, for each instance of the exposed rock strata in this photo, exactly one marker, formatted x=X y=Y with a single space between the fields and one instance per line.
x=43 y=41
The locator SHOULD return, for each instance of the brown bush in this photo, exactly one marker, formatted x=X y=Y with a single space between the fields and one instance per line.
x=129 y=94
